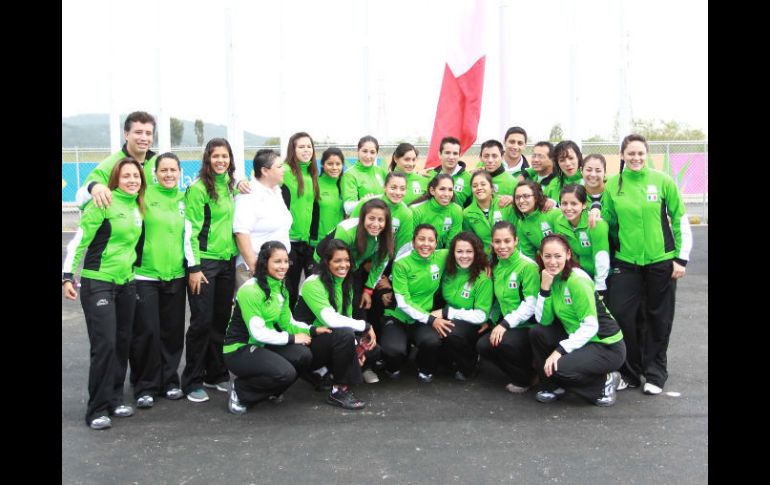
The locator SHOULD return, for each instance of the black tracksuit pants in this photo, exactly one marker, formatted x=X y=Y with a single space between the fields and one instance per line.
x=513 y=355
x=646 y=339
x=300 y=260
x=459 y=346
x=261 y=372
x=158 y=337
x=209 y=315
x=582 y=371
x=109 y=312
x=395 y=339
x=337 y=351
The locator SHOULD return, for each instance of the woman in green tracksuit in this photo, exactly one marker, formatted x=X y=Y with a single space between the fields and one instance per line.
x=106 y=242
x=300 y=193
x=436 y=208
x=326 y=301
x=651 y=256
x=577 y=345
x=593 y=172
x=467 y=293
x=568 y=168
x=404 y=160
x=364 y=179
x=401 y=215
x=485 y=210
x=416 y=279
x=264 y=347
x=210 y=251
x=590 y=245
x=370 y=238
x=515 y=284
x=330 y=211
x=158 y=336
x=532 y=224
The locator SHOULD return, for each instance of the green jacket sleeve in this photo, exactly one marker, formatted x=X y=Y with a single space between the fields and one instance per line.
x=90 y=222
x=317 y=299
x=349 y=190
x=600 y=245
x=679 y=222
x=286 y=320
x=195 y=199
x=544 y=307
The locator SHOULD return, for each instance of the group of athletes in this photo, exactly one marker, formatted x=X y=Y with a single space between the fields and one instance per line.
x=560 y=276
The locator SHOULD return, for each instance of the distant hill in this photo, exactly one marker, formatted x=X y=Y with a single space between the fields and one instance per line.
x=93 y=130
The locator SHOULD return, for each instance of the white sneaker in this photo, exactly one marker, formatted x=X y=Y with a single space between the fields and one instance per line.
x=652 y=389
x=514 y=389
x=370 y=377
x=102 y=422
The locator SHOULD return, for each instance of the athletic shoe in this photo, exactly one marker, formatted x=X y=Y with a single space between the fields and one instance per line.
x=424 y=377
x=276 y=398
x=626 y=385
x=549 y=396
x=102 y=422
x=460 y=376
x=609 y=394
x=234 y=405
x=174 y=393
x=651 y=389
x=219 y=386
x=370 y=377
x=145 y=402
x=345 y=399
x=514 y=389
x=198 y=395
x=123 y=411
x=393 y=375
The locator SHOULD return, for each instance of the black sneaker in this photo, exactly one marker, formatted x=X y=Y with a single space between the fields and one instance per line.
x=549 y=396
x=345 y=399
x=609 y=394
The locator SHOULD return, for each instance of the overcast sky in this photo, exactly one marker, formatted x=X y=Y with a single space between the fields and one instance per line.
x=320 y=63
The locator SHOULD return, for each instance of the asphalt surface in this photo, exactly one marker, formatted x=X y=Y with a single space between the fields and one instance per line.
x=443 y=432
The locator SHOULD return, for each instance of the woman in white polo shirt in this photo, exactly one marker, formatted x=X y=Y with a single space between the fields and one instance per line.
x=260 y=215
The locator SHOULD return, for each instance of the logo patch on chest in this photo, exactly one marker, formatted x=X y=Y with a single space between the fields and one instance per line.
x=652 y=193
x=459 y=185
x=466 y=291
x=567 y=297
x=512 y=281
x=584 y=240
x=434 y=272
x=545 y=228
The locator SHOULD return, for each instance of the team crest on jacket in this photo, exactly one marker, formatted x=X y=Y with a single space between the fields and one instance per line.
x=379 y=179
x=137 y=217
x=546 y=229
x=447 y=224
x=652 y=193
x=181 y=208
x=466 y=292
x=495 y=188
x=416 y=189
x=512 y=283
x=497 y=216
x=459 y=184
x=567 y=296
x=584 y=240
x=434 y=272
x=395 y=223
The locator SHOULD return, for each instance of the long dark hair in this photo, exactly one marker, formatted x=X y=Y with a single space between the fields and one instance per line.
x=401 y=150
x=479 y=256
x=628 y=139
x=260 y=272
x=569 y=264
x=115 y=179
x=326 y=277
x=207 y=174
x=500 y=226
x=432 y=185
x=331 y=152
x=385 y=239
x=291 y=159
x=537 y=191
x=561 y=151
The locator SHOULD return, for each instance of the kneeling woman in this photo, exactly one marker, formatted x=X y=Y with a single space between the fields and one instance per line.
x=326 y=301
x=265 y=348
x=584 y=350
x=416 y=279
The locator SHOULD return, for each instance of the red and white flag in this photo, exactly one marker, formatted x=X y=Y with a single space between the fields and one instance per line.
x=459 y=104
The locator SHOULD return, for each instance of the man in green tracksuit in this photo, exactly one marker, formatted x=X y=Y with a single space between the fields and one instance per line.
x=541 y=170
x=652 y=255
x=138 y=131
x=491 y=155
x=449 y=152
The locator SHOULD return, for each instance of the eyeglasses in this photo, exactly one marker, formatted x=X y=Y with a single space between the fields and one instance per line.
x=524 y=197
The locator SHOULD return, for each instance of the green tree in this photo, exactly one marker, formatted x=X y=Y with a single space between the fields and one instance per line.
x=199 y=131
x=273 y=141
x=177 y=131
x=666 y=130
x=556 y=133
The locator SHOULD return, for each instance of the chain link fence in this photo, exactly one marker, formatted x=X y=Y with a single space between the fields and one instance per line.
x=685 y=161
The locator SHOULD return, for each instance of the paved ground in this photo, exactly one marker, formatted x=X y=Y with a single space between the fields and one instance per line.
x=444 y=432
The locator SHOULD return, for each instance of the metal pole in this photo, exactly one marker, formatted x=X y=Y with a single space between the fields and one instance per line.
x=77 y=166
x=705 y=175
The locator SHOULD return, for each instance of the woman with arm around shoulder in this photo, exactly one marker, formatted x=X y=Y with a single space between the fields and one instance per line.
x=435 y=207
x=260 y=215
x=467 y=293
x=210 y=251
x=106 y=242
x=265 y=349
x=578 y=346
x=330 y=211
x=533 y=221
x=484 y=211
x=404 y=160
x=364 y=179
x=515 y=280
x=651 y=255
x=158 y=336
x=326 y=301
